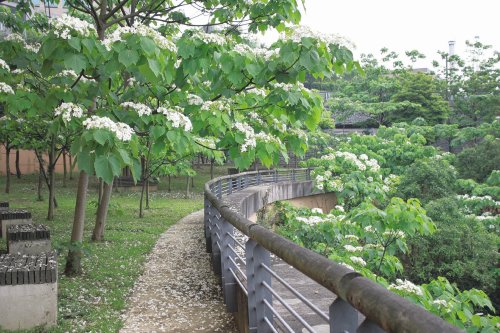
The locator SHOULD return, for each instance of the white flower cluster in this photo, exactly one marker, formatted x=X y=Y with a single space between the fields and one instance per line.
x=288 y=86
x=394 y=233
x=194 y=99
x=206 y=142
x=311 y=220
x=3 y=65
x=221 y=105
x=17 y=71
x=339 y=208
x=259 y=91
x=122 y=131
x=279 y=125
x=440 y=302
x=485 y=199
x=406 y=286
x=358 y=261
x=65 y=24
x=141 y=109
x=255 y=116
x=6 y=89
x=300 y=134
x=317 y=210
x=267 y=138
x=300 y=31
x=346 y=265
x=140 y=30
x=175 y=116
x=351 y=237
x=15 y=37
x=209 y=38
x=73 y=75
x=249 y=133
x=69 y=111
x=369 y=228
x=362 y=163
x=350 y=248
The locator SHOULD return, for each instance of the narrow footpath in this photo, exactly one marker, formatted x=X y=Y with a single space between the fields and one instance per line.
x=178 y=292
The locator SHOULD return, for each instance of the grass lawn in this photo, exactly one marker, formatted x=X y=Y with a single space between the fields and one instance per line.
x=94 y=301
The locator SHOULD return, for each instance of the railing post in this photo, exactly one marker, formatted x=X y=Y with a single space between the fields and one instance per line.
x=369 y=326
x=257 y=255
x=229 y=185
x=258 y=177
x=215 y=237
x=206 y=222
x=343 y=317
x=275 y=176
x=308 y=174
x=219 y=189
x=228 y=279
x=245 y=183
x=293 y=175
x=239 y=187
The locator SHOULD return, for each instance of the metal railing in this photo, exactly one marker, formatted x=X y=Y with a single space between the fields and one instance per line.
x=246 y=264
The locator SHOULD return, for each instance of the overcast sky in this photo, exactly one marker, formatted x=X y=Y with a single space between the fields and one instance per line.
x=425 y=25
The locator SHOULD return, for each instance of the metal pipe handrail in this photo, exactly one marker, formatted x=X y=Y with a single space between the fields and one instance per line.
x=379 y=305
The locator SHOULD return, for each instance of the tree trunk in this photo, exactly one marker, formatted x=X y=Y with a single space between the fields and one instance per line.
x=18 y=169
x=100 y=190
x=147 y=193
x=169 y=184
x=51 y=171
x=42 y=169
x=65 y=169
x=187 y=187
x=7 y=169
x=212 y=161
x=73 y=261
x=70 y=167
x=141 y=207
x=40 y=184
x=102 y=213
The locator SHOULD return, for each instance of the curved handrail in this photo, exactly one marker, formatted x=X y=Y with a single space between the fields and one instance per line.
x=383 y=307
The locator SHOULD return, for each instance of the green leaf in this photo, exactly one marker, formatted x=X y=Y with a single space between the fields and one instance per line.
x=76 y=62
x=154 y=66
x=75 y=43
x=128 y=57
x=148 y=46
x=103 y=169
x=157 y=131
x=115 y=164
x=124 y=156
x=85 y=162
x=101 y=136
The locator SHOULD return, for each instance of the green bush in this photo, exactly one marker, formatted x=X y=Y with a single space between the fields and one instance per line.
x=478 y=162
x=428 y=179
x=461 y=250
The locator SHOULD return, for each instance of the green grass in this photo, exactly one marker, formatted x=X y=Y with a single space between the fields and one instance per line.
x=95 y=300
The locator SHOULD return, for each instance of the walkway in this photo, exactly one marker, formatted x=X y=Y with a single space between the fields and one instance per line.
x=178 y=292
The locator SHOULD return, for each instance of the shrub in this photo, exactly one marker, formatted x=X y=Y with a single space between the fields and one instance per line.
x=461 y=250
x=428 y=179
x=478 y=162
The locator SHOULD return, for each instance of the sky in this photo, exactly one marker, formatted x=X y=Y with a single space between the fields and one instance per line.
x=425 y=25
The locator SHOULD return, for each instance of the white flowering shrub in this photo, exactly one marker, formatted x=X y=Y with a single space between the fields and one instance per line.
x=66 y=26
x=68 y=111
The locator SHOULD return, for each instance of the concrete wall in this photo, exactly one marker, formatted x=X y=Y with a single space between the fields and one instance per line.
x=28 y=163
x=29 y=247
x=26 y=306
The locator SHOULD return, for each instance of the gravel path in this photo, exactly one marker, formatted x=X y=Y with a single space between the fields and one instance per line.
x=178 y=292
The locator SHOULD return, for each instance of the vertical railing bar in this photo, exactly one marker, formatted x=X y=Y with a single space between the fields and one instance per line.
x=239 y=282
x=279 y=317
x=289 y=308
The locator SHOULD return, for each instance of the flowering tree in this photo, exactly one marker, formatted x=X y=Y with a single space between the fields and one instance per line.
x=133 y=78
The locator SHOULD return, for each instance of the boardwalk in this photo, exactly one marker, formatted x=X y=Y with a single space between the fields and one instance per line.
x=178 y=292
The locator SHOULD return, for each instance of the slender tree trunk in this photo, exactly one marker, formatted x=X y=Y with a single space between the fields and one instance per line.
x=7 y=169
x=42 y=169
x=187 y=187
x=73 y=261
x=71 y=166
x=169 y=184
x=212 y=161
x=65 y=169
x=147 y=193
x=102 y=212
x=40 y=184
x=141 y=207
x=18 y=169
x=100 y=190
x=51 y=171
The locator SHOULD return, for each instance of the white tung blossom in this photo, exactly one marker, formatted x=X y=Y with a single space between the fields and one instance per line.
x=175 y=116
x=194 y=99
x=122 y=131
x=406 y=286
x=209 y=38
x=141 y=109
x=69 y=111
x=65 y=24
x=350 y=248
x=3 y=65
x=140 y=30
x=358 y=261
x=6 y=89
x=300 y=31
x=250 y=139
x=267 y=138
